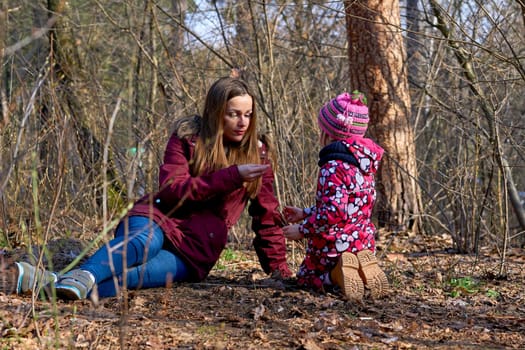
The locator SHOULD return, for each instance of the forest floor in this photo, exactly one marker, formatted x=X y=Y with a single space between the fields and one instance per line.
x=439 y=300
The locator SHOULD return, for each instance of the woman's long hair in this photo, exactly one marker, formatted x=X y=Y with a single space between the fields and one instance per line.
x=211 y=153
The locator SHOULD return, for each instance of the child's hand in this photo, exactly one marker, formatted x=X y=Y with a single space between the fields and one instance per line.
x=293 y=214
x=292 y=233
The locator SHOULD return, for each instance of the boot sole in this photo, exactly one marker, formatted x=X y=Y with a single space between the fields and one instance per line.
x=67 y=293
x=353 y=287
x=374 y=278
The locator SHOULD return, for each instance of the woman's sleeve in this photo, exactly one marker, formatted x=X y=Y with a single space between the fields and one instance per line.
x=177 y=185
x=269 y=242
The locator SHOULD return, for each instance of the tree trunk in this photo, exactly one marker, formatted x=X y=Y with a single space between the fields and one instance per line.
x=3 y=101
x=377 y=67
x=415 y=61
x=176 y=37
x=66 y=76
x=522 y=5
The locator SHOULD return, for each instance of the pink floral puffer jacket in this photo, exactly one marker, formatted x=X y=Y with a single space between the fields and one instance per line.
x=340 y=221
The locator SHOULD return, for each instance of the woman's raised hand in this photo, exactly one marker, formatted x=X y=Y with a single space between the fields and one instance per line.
x=251 y=172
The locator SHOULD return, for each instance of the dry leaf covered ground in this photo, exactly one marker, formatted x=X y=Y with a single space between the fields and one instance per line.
x=439 y=300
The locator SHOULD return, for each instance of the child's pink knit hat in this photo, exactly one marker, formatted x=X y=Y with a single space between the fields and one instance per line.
x=345 y=116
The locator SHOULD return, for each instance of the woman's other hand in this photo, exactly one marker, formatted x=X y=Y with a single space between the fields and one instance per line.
x=293 y=214
x=292 y=233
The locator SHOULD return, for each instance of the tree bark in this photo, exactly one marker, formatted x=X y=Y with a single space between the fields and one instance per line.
x=3 y=101
x=377 y=59
x=176 y=37
x=522 y=5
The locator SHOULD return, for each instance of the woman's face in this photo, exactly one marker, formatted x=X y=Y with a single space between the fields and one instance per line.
x=237 y=117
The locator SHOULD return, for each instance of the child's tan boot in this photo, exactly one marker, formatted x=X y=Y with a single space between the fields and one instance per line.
x=346 y=276
x=374 y=278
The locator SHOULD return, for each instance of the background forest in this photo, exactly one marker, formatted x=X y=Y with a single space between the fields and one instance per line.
x=90 y=91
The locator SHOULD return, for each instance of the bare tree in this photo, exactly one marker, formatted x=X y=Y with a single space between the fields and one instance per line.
x=377 y=61
x=3 y=31
x=489 y=113
x=522 y=5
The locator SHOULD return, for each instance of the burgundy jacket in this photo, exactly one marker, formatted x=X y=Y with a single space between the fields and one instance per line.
x=196 y=213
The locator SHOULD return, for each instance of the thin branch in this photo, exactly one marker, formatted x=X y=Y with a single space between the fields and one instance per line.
x=37 y=34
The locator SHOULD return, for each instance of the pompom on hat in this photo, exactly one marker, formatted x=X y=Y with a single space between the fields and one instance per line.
x=344 y=116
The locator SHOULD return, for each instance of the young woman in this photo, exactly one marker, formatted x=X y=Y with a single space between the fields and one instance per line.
x=213 y=167
x=340 y=233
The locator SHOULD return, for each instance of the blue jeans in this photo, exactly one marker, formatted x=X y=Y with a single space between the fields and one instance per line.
x=148 y=265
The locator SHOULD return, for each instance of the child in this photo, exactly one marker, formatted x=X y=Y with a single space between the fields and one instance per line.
x=339 y=230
